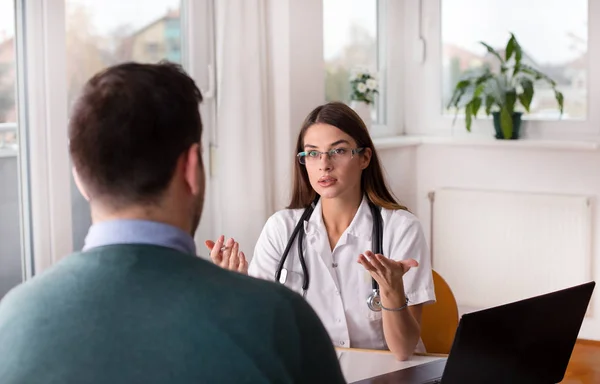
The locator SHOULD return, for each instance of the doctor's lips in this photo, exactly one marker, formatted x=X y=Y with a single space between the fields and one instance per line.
x=327 y=181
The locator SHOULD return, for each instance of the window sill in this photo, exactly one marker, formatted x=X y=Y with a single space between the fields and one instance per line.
x=412 y=141
x=397 y=141
x=8 y=152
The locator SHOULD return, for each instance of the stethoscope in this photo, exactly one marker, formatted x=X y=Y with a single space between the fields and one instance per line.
x=374 y=299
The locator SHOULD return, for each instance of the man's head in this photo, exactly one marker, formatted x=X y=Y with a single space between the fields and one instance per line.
x=135 y=144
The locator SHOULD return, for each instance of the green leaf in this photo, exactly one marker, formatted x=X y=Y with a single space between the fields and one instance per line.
x=463 y=84
x=518 y=50
x=524 y=101
x=537 y=74
x=510 y=48
x=458 y=94
x=527 y=95
x=506 y=123
x=479 y=90
x=459 y=91
x=475 y=105
x=489 y=103
x=560 y=99
x=492 y=51
x=511 y=99
x=468 y=117
x=530 y=71
x=513 y=47
x=516 y=70
x=483 y=78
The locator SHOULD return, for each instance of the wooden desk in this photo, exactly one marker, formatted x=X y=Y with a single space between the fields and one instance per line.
x=359 y=364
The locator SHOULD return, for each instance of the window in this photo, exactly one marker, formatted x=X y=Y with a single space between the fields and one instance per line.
x=560 y=51
x=101 y=34
x=441 y=41
x=11 y=249
x=350 y=40
x=8 y=106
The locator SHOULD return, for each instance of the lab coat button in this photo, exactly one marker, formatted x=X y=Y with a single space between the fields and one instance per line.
x=334 y=265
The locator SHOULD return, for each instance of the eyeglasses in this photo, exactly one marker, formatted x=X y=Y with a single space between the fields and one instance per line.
x=335 y=154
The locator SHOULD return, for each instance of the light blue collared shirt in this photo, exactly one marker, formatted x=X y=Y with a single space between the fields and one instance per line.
x=139 y=232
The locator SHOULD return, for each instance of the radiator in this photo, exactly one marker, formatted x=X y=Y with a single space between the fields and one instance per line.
x=497 y=247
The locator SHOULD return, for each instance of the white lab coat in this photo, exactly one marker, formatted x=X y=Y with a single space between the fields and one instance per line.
x=339 y=285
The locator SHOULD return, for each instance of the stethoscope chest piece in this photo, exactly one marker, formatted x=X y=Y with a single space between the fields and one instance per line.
x=374 y=301
x=283 y=276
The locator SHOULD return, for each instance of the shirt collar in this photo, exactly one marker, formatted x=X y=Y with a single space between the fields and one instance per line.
x=314 y=224
x=139 y=232
x=360 y=226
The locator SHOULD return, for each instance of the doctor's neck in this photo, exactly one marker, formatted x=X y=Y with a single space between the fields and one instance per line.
x=339 y=211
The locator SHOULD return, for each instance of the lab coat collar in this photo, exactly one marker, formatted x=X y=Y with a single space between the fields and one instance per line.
x=360 y=226
x=314 y=224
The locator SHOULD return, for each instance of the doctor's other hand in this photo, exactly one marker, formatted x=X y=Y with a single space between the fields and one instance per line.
x=227 y=254
x=388 y=273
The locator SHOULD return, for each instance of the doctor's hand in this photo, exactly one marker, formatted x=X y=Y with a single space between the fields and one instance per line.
x=388 y=273
x=227 y=256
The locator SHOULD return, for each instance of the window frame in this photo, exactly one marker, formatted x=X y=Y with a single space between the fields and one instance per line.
x=46 y=209
x=423 y=82
x=390 y=62
x=198 y=58
x=390 y=124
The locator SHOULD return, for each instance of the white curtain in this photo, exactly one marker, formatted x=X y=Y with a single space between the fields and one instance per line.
x=244 y=132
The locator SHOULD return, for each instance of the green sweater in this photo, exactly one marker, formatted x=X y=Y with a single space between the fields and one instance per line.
x=148 y=314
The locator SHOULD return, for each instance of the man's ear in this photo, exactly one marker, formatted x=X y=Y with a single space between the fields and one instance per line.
x=79 y=184
x=366 y=158
x=192 y=171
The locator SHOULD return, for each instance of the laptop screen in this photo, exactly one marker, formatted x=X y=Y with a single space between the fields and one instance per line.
x=528 y=341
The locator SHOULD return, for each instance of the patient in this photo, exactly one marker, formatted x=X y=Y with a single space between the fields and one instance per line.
x=136 y=305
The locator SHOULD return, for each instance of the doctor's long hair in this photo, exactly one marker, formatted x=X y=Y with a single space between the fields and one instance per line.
x=373 y=182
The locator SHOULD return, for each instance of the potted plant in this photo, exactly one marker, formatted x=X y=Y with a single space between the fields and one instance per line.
x=364 y=87
x=497 y=92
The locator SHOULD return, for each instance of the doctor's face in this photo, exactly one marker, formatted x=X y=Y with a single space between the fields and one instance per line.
x=333 y=161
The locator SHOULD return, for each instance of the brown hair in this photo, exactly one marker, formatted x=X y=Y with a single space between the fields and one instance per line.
x=373 y=183
x=129 y=127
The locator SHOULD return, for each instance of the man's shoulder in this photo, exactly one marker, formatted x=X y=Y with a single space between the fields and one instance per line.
x=260 y=289
x=170 y=272
x=201 y=275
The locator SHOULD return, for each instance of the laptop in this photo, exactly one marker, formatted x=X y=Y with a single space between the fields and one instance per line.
x=528 y=341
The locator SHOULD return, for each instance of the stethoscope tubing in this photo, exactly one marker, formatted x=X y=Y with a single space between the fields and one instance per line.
x=373 y=301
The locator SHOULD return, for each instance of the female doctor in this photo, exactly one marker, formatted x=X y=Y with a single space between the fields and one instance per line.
x=338 y=175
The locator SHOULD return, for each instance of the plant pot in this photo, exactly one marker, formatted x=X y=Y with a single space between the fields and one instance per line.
x=363 y=110
x=516 y=120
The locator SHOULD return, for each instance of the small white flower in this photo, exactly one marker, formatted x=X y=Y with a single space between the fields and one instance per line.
x=361 y=87
x=372 y=84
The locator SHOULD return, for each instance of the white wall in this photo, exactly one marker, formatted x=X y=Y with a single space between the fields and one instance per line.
x=500 y=168
x=400 y=168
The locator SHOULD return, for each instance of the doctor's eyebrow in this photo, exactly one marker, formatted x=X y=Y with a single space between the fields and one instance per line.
x=331 y=145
